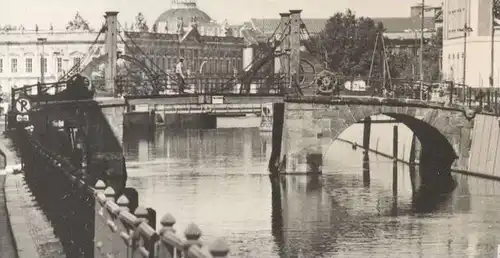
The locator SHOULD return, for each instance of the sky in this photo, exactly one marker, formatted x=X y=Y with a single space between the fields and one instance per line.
x=59 y=12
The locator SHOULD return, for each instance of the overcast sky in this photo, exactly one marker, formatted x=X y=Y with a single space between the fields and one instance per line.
x=59 y=12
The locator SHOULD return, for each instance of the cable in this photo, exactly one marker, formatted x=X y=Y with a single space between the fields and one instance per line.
x=77 y=65
x=142 y=52
x=261 y=60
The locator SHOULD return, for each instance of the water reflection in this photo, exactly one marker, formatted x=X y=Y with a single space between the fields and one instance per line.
x=219 y=179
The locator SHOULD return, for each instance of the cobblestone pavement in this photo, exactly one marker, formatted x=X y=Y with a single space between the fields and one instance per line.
x=32 y=231
x=7 y=248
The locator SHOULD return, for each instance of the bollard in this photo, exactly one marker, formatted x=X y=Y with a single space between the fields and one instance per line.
x=219 y=248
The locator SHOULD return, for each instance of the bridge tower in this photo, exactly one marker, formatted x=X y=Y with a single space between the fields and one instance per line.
x=111 y=51
x=294 y=44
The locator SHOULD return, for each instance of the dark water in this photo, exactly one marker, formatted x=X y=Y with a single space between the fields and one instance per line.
x=219 y=180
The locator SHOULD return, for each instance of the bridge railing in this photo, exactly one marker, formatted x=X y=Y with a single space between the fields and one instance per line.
x=119 y=233
x=200 y=84
x=447 y=93
x=93 y=221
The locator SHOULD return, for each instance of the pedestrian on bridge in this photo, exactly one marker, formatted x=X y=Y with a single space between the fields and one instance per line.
x=179 y=71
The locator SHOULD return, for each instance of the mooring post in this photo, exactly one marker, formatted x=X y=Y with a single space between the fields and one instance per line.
x=367 y=122
x=488 y=93
x=395 y=160
x=496 y=102
x=452 y=89
x=366 y=168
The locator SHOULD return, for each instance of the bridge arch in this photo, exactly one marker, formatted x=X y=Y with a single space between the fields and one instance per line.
x=309 y=129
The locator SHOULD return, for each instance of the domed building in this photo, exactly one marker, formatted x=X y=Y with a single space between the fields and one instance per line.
x=186 y=31
x=183 y=12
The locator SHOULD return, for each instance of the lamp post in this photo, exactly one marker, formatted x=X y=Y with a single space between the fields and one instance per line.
x=466 y=29
x=41 y=41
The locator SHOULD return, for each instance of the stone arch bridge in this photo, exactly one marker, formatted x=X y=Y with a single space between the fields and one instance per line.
x=304 y=128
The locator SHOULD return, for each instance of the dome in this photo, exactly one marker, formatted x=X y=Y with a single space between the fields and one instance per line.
x=185 y=9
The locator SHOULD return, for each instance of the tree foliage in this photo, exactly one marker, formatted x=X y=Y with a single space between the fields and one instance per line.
x=348 y=44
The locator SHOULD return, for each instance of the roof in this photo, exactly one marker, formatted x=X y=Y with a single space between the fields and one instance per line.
x=397 y=25
x=267 y=26
x=392 y=24
x=253 y=37
x=171 y=16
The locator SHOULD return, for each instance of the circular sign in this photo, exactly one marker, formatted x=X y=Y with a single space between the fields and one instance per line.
x=23 y=105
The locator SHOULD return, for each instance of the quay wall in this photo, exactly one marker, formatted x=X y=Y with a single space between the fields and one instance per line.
x=97 y=221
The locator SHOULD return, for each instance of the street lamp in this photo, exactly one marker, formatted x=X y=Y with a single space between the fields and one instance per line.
x=466 y=29
x=41 y=41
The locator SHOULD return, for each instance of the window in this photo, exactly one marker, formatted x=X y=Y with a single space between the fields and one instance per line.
x=44 y=64
x=1 y=65
x=59 y=64
x=29 y=65
x=76 y=61
x=13 y=65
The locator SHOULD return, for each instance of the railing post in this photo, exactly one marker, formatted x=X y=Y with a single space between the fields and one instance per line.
x=167 y=222
x=109 y=192
x=192 y=234
x=123 y=202
x=100 y=186
x=219 y=248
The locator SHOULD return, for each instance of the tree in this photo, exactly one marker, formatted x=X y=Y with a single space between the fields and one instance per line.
x=433 y=55
x=347 y=44
x=78 y=24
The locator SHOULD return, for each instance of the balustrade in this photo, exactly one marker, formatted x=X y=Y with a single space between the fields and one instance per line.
x=94 y=222
x=119 y=233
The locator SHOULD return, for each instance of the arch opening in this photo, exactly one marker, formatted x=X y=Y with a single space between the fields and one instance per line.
x=436 y=153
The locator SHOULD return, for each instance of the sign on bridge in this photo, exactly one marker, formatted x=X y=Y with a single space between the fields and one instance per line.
x=23 y=105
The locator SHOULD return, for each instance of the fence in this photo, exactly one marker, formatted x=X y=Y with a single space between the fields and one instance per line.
x=92 y=222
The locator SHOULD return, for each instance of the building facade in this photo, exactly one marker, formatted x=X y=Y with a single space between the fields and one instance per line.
x=22 y=55
x=470 y=56
x=185 y=31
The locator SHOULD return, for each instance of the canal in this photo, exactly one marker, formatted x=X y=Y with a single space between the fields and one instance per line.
x=219 y=180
